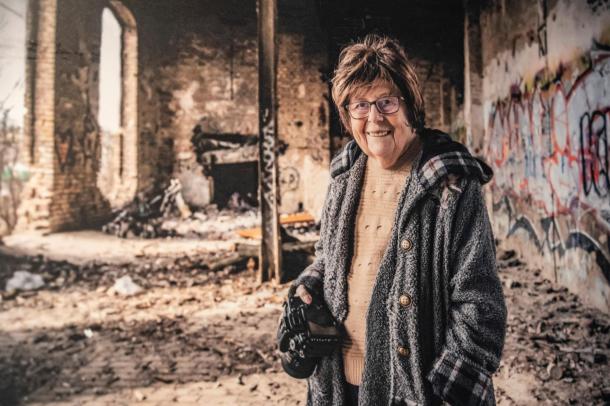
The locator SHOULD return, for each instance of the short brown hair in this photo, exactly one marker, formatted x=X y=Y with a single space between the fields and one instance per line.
x=375 y=58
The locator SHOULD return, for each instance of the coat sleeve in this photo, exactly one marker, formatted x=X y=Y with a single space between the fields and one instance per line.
x=476 y=327
x=313 y=276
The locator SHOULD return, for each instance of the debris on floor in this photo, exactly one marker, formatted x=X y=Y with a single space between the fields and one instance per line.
x=192 y=324
x=24 y=280
x=553 y=342
x=204 y=325
x=167 y=215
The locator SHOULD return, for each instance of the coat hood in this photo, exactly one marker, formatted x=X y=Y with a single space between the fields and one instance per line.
x=441 y=156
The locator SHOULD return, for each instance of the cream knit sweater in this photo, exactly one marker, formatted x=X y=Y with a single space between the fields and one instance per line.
x=378 y=199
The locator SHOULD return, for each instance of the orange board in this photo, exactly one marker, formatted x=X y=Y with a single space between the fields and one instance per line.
x=285 y=219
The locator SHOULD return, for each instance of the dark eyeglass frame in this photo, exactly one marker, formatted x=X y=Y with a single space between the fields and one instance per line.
x=370 y=103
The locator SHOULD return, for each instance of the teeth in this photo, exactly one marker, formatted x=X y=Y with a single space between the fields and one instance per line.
x=378 y=133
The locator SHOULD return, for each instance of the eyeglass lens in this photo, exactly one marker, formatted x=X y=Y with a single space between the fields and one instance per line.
x=385 y=105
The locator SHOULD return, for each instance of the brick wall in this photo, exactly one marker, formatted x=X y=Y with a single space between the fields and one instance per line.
x=38 y=146
x=197 y=65
x=201 y=68
x=303 y=108
x=77 y=201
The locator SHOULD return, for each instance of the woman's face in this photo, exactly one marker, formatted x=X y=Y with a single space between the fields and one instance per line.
x=383 y=137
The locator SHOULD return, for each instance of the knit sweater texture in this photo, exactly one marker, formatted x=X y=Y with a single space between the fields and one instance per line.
x=378 y=200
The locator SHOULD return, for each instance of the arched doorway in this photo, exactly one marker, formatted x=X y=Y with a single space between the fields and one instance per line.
x=118 y=112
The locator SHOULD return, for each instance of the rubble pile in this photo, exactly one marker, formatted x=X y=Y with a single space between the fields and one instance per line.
x=167 y=215
x=211 y=223
x=167 y=351
x=144 y=216
x=552 y=337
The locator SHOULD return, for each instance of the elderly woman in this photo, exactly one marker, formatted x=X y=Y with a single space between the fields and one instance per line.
x=406 y=256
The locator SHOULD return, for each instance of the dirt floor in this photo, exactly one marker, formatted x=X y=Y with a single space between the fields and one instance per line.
x=207 y=337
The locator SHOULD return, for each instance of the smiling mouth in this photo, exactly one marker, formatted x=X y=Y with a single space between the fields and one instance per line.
x=378 y=133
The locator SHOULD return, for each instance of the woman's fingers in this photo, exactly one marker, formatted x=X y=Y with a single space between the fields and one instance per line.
x=303 y=294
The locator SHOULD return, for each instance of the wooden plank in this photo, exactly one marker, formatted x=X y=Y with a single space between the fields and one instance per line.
x=301 y=217
x=285 y=219
x=270 y=259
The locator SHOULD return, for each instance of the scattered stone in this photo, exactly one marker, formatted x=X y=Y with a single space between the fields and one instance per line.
x=125 y=286
x=24 y=281
x=139 y=396
x=9 y=294
x=555 y=371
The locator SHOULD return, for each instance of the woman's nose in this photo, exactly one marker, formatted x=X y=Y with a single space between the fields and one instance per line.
x=374 y=114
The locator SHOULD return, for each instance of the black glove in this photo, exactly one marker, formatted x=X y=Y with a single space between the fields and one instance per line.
x=306 y=333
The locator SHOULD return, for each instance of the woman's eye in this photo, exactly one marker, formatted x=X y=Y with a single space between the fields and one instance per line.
x=362 y=105
x=384 y=102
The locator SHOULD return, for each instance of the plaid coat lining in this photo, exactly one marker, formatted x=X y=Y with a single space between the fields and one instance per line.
x=452 y=162
x=345 y=158
x=459 y=383
x=455 y=380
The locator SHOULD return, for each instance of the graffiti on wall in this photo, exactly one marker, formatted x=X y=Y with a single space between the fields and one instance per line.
x=289 y=179
x=77 y=140
x=548 y=145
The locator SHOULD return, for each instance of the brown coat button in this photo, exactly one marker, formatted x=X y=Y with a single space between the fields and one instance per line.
x=405 y=300
x=403 y=352
x=406 y=244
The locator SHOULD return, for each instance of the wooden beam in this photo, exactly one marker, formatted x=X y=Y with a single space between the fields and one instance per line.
x=270 y=258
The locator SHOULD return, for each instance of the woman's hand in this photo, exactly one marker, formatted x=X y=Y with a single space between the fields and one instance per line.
x=303 y=294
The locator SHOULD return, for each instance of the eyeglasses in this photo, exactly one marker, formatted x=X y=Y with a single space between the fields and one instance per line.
x=385 y=105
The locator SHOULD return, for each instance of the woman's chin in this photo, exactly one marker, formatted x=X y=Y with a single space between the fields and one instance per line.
x=385 y=159
x=382 y=153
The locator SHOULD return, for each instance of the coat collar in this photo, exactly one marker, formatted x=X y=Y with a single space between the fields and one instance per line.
x=440 y=157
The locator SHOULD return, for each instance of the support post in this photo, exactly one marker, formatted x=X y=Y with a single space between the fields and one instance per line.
x=270 y=258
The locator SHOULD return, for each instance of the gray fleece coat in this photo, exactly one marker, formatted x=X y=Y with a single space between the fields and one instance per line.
x=454 y=328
